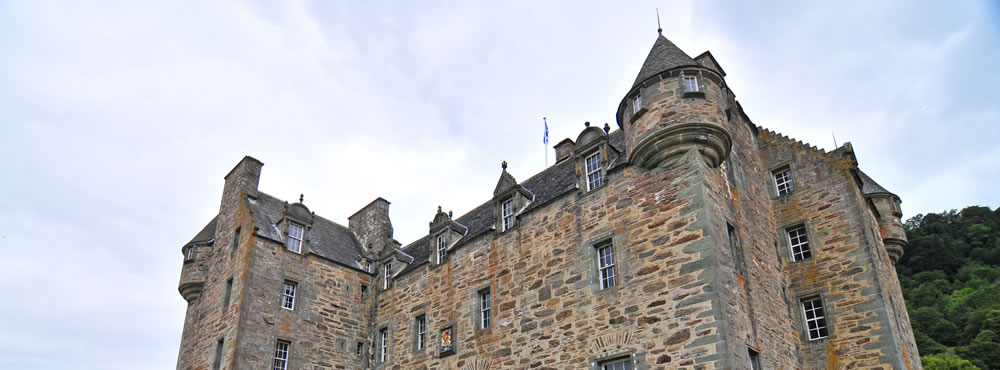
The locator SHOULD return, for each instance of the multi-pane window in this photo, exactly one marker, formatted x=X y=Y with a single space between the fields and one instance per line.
x=594 y=176
x=288 y=295
x=606 y=265
x=734 y=244
x=228 y=293
x=485 y=303
x=189 y=254
x=383 y=353
x=620 y=364
x=295 y=237
x=690 y=83
x=799 y=242
x=281 y=355
x=507 y=211
x=360 y=349
x=364 y=291
x=421 y=332
x=636 y=103
x=783 y=181
x=387 y=275
x=442 y=244
x=816 y=327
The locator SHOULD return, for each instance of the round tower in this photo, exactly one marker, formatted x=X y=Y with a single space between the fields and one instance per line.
x=675 y=105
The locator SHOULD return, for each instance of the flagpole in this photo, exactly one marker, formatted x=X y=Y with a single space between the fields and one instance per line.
x=545 y=142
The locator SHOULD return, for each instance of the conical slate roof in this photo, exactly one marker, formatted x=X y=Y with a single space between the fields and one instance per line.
x=663 y=56
x=869 y=186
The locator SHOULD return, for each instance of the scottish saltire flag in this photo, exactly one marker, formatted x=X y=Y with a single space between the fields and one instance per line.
x=545 y=139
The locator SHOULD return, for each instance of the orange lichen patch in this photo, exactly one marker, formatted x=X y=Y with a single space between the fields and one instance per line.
x=832 y=359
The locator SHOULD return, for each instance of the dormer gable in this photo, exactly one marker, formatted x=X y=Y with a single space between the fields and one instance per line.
x=506 y=181
x=509 y=199
x=444 y=233
x=594 y=156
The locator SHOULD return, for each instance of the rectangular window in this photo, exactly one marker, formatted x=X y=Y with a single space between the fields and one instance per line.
x=226 y=295
x=812 y=309
x=442 y=244
x=364 y=291
x=295 y=237
x=189 y=254
x=606 y=265
x=783 y=181
x=368 y=266
x=281 y=355
x=594 y=176
x=619 y=364
x=754 y=359
x=383 y=354
x=636 y=103
x=288 y=295
x=739 y=263
x=507 y=210
x=485 y=304
x=236 y=241
x=360 y=349
x=387 y=275
x=799 y=242
x=217 y=363
x=421 y=332
x=690 y=84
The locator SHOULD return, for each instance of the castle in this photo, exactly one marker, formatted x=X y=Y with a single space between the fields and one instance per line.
x=687 y=238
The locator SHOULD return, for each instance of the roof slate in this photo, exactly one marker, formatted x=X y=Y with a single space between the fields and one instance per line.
x=662 y=57
x=207 y=233
x=869 y=186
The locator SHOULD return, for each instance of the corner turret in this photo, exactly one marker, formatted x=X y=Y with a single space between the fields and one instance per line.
x=675 y=105
x=890 y=221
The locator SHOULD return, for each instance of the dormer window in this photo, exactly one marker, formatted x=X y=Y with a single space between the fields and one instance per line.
x=594 y=176
x=507 y=213
x=295 y=232
x=387 y=276
x=637 y=103
x=691 y=84
x=442 y=244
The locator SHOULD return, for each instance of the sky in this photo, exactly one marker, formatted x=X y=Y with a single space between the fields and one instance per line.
x=118 y=121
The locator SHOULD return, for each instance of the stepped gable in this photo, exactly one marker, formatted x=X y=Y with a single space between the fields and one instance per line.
x=546 y=186
x=662 y=57
x=803 y=145
x=206 y=234
x=326 y=238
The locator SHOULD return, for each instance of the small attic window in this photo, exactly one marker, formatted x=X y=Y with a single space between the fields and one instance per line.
x=595 y=177
x=507 y=214
x=442 y=244
x=637 y=103
x=295 y=232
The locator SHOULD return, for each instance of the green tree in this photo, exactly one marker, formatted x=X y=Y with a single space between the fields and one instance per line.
x=946 y=361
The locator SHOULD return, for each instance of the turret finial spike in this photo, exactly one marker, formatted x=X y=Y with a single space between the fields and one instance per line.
x=302 y=197
x=504 y=165
x=658 y=28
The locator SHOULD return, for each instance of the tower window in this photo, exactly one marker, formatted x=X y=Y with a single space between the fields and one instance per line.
x=783 y=181
x=227 y=294
x=799 y=242
x=485 y=303
x=507 y=211
x=387 y=275
x=691 y=84
x=594 y=176
x=236 y=241
x=606 y=264
x=217 y=363
x=281 y=350
x=421 y=332
x=734 y=244
x=442 y=243
x=295 y=232
x=619 y=364
x=288 y=295
x=816 y=327
x=637 y=103
x=364 y=291
x=189 y=254
x=384 y=345
x=360 y=349
x=754 y=359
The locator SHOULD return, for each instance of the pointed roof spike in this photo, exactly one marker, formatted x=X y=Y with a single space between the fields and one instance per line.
x=504 y=165
x=662 y=57
x=659 y=29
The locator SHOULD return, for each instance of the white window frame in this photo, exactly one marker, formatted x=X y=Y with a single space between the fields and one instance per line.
x=442 y=246
x=281 y=350
x=617 y=364
x=783 y=183
x=637 y=103
x=296 y=233
x=384 y=344
x=421 y=332
x=189 y=255
x=814 y=315
x=593 y=165
x=606 y=265
x=288 y=289
x=798 y=243
x=485 y=308
x=690 y=81
x=507 y=214
x=387 y=272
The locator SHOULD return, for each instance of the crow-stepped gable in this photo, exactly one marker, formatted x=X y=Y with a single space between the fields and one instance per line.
x=688 y=238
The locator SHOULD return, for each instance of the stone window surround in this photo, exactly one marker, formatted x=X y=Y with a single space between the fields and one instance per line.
x=598 y=172
x=810 y=294
x=699 y=78
x=441 y=252
x=477 y=309
x=236 y=240
x=189 y=254
x=504 y=216
x=228 y=293
x=384 y=349
x=420 y=339
x=754 y=355
x=737 y=247
x=810 y=236
x=593 y=272
x=288 y=298
x=637 y=104
x=773 y=188
x=387 y=274
x=288 y=352
x=638 y=360
x=585 y=152
x=219 y=353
